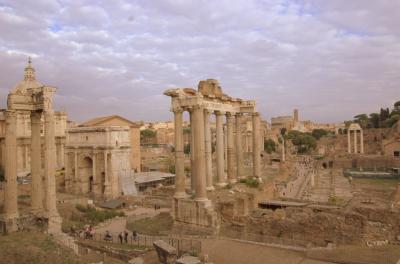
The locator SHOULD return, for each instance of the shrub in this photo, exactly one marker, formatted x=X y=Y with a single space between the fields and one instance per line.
x=250 y=182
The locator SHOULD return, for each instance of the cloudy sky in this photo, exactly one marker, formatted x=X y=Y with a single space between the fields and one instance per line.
x=332 y=59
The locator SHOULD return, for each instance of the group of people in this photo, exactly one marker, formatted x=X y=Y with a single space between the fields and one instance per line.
x=86 y=233
x=122 y=236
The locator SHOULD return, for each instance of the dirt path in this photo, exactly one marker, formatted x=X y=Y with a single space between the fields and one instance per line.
x=223 y=251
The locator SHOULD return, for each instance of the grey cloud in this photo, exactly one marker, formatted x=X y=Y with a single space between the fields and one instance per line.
x=330 y=59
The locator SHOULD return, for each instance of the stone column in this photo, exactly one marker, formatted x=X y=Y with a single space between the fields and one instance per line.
x=26 y=153
x=76 y=180
x=230 y=148
x=355 y=142
x=208 y=150
x=220 y=149
x=256 y=145
x=62 y=156
x=192 y=168
x=361 y=142
x=283 y=149
x=179 y=156
x=54 y=224
x=94 y=174
x=239 y=147
x=107 y=187
x=10 y=166
x=348 y=141
x=36 y=162
x=225 y=149
x=67 y=171
x=199 y=154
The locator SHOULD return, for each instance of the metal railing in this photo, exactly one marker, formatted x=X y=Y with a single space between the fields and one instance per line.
x=265 y=239
x=182 y=245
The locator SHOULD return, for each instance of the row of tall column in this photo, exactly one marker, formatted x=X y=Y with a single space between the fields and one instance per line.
x=201 y=150
x=354 y=148
x=42 y=201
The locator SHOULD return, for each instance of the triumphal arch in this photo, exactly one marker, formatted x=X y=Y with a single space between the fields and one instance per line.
x=31 y=97
x=201 y=104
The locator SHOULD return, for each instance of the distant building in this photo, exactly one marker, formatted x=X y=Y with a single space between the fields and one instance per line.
x=97 y=160
x=134 y=134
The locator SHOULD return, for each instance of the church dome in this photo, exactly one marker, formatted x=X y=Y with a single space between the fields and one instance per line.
x=29 y=80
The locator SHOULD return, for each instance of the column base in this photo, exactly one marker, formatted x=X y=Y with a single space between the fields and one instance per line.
x=221 y=184
x=9 y=224
x=54 y=223
x=210 y=188
x=232 y=181
x=180 y=195
x=205 y=200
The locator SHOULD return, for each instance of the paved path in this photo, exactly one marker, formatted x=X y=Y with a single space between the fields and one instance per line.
x=223 y=251
x=118 y=224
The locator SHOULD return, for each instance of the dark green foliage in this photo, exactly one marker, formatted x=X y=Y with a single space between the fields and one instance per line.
x=384 y=119
x=95 y=216
x=186 y=149
x=269 y=146
x=250 y=182
x=147 y=133
x=319 y=133
x=171 y=169
x=304 y=142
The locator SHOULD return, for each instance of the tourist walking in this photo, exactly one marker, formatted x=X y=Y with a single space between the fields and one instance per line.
x=126 y=236
x=121 y=238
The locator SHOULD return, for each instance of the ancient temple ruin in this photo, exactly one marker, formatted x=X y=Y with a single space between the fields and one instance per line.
x=209 y=99
x=31 y=97
x=356 y=130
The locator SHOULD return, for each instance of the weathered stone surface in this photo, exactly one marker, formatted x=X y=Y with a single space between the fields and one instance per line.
x=166 y=254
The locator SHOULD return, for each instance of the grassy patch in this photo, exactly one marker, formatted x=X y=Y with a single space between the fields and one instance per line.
x=152 y=226
x=386 y=183
x=33 y=247
x=250 y=182
x=95 y=216
x=83 y=215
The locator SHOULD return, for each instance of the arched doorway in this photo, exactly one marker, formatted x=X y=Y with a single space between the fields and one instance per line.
x=86 y=175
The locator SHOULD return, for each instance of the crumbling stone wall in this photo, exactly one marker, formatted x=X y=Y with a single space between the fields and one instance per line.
x=319 y=227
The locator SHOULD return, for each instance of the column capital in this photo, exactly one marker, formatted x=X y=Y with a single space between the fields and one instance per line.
x=219 y=113
x=229 y=114
x=177 y=110
x=255 y=114
x=208 y=111
x=10 y=114
x=239 y=114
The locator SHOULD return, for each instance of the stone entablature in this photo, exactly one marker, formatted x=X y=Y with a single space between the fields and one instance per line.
x=98 y=137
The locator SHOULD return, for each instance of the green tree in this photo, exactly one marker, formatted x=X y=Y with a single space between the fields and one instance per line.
x=362 y=120
x=374 y=120
x=186 y=149
x=269 y=146
x=304 y=142
x=147 y=133
x=319 y=133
